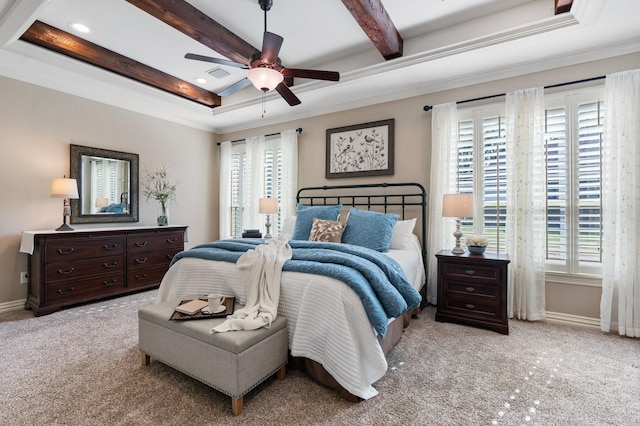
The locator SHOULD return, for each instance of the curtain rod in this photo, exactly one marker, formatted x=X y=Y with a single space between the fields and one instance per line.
x=430 y=107
x=299 y=130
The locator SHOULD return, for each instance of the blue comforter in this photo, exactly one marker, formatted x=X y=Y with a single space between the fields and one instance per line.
x=376 y=278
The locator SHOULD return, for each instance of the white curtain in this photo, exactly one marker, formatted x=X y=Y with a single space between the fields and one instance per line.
x=444 y=139
x=289 y=144
x=225 y=190
x=621 y=205
x=525 y=223
x=254 y=183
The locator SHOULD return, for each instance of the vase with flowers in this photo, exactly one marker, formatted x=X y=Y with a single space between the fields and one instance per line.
x=158 y=187
x=477 y=244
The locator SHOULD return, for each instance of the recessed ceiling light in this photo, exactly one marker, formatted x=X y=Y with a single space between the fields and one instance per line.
x=201 y=80
x=80 y=28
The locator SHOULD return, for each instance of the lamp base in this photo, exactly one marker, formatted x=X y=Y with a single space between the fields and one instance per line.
x=64 y=227
x=457 y=250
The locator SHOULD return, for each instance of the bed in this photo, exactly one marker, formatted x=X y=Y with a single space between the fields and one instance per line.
x=331 y=337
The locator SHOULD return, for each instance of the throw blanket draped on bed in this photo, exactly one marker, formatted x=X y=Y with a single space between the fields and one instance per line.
x=377 y=279
x=261 y=268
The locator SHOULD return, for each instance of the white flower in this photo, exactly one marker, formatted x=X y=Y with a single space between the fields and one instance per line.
x=477 y=241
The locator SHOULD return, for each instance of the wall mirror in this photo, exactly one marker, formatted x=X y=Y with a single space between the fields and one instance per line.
x=107 y=185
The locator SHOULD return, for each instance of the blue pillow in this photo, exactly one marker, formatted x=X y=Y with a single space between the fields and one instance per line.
x=369 y=229
x=114 y=208
x=304 y=219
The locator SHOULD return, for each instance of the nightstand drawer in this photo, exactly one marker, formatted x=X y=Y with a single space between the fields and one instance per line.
x=473 y=288
x=461 y=305
x=479 y=273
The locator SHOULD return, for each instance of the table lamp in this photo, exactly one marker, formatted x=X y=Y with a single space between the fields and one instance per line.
x=68 y=189
x=457 y=205
x=268 y=206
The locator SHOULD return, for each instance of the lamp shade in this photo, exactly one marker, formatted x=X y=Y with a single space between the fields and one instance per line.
x=265 y=79
x=64 y=188
x=457 y=205
x=268 y=206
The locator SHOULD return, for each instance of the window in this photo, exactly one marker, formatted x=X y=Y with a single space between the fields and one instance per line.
x=241 y=179
x=573 y=141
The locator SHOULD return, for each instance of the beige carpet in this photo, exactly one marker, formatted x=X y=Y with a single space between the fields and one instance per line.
x=81 y=366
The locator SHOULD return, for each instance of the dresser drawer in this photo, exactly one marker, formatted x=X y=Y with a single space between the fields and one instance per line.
x=62 y=251
x=151 y=259
x=55 y=272
x=145 y=277
x=478 y=273
x=159 y=241
x=81 y=290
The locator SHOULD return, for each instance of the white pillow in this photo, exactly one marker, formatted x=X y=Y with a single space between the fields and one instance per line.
x=401 y=234
x=288 y=226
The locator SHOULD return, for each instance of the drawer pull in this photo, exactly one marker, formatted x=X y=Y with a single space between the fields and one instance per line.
x=172 y=241
x=113 y=265
x=141 y=244
x=141 y=277
x=62 y=252
x=60 y=291
x=138 y=261
x=171 y=256
x=470 y=289
x=469 y=271
x=470 y=306
x=61 y=272
x=106 y=247
x=109 y=283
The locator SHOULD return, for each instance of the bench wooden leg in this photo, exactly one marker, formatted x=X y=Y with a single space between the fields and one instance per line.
x=281 y=373
x=144 y=358
x=236 y=405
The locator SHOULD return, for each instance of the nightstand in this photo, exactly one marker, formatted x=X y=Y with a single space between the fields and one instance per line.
x=472 y=289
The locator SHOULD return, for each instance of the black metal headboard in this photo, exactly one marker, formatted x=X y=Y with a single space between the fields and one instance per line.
x=386 y=197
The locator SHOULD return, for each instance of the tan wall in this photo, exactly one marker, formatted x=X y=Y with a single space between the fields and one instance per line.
x=36 y=127
x=38 y=124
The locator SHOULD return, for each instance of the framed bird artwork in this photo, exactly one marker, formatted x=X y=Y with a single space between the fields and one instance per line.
x=360 y=150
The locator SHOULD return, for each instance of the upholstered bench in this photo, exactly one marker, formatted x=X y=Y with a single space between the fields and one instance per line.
x=233 y=362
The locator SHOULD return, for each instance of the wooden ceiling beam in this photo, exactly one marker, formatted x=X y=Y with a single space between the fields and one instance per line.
x=187 y=19
x=563 y=6
x=70 y=45
x=376 y=23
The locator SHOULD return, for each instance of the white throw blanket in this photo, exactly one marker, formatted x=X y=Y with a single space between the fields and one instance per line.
x=261 y=269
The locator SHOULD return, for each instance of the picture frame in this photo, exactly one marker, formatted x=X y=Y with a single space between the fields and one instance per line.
x=360 y=150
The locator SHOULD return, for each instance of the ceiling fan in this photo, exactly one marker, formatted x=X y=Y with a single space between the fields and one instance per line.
x=265 y=69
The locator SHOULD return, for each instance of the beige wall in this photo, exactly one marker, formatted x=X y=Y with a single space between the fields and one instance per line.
x=36 y=127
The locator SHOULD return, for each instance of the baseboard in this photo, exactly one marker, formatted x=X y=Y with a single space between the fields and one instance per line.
x=15 y=305
x=560 y=318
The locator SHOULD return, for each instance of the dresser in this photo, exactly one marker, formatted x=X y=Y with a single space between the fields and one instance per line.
x=67 y=268
x=472 y=289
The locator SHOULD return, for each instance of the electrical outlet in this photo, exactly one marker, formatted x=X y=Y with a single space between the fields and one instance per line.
x=24 y=277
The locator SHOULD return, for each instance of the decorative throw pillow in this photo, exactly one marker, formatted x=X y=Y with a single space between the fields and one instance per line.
x=304 y=219
x=329 y=231
x=369 y=229
x=402 y=232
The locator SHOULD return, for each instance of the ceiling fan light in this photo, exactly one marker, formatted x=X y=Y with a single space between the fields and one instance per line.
x=265 y=79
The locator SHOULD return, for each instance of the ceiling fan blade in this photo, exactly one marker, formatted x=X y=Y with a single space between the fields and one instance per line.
x=314 y=74
x=287 y=94
x=235 y=87
x=271 y=44
x=214 y=60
